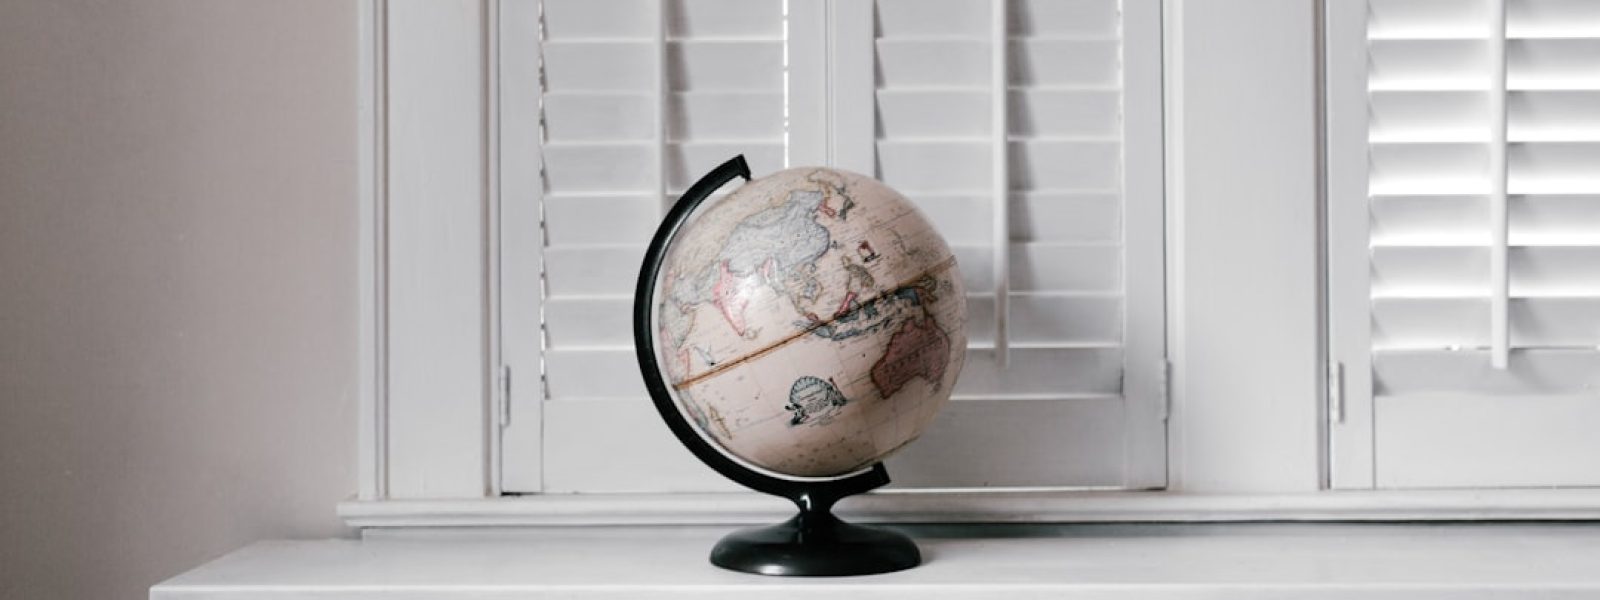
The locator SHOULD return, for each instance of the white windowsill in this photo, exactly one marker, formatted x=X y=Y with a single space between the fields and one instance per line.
x=984 y=506
x=962 y=561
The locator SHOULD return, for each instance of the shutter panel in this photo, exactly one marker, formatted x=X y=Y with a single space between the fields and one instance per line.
x=640 y=98
x=1442 y=414
x=1054 y=415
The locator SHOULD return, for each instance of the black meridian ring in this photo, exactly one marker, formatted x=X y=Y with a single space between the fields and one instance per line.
x=818 y=494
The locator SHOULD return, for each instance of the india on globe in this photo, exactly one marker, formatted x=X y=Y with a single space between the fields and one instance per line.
x=811 y=322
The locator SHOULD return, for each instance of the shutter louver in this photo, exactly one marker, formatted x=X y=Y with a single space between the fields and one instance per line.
x=1443 y=415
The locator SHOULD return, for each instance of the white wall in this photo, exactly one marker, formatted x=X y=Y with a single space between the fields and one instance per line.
x=177 y=284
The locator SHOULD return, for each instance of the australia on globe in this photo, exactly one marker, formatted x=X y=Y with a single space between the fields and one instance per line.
x=811 y=322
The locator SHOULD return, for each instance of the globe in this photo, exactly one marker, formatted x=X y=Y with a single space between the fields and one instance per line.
x=810 y=323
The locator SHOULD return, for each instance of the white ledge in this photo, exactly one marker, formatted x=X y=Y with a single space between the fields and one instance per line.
x=988 y=507
x=1023 y=561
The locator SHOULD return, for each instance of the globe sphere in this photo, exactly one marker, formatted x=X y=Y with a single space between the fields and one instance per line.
x=809 y=323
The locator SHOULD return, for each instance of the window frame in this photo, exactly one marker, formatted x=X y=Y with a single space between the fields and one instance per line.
x=1246 y=342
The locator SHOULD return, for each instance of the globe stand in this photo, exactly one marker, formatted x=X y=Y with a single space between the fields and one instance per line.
x=813 y=542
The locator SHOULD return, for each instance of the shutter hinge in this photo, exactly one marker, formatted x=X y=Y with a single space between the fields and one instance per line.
x=1164 y=387
x=1335 y=392
x=505 y=396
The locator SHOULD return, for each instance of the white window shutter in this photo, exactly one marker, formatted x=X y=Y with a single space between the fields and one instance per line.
x=713 y=72
x=1042 y=397
x=1469 y=265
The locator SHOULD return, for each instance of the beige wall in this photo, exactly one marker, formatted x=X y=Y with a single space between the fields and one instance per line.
x=177 y=296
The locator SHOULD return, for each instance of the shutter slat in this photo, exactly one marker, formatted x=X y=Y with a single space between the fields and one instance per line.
x=933 y=113
x=921 y=167
x=1553 y=18
x=725 y=19
x=1429 y=167
x=1065 y=165
x=1436 y=220
x=725 y=116
x=1409 y=64
x=1553 y=64
x=956 y=18
x=1057 y=18
x=590 y=19
x=1071 y=218
x=934 y=63
x=599 y=167
x=1432 y=115
x=1536 y=220
x=592 y=270
x=1050 y=319
x=1046 y=266
x=1034 y=371
x=1058 y=62
x=1388 y=19
x=1458 y=18
x=599 y=66
x=593 y=374
x=945 y=63
x=725 y=65
x=921 y=18
x=962 y=165
x=589 y=117
x=1554 y=167
x=1065 y=112
x=1059 y=266
x=1463 y=271
x=599 y=220
x=1086 y=217
x=1554 y=115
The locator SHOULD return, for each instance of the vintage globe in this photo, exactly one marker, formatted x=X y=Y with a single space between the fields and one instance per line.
x=810 y=322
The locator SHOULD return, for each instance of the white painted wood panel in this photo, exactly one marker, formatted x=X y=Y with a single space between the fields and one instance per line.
x=522 y=241
x=437 y=251
x=1434 y=440
x=1244 y=332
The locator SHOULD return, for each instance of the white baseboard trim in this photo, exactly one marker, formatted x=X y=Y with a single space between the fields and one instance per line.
x=983 y=506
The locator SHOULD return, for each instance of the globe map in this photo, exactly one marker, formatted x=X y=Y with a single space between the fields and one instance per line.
x=811 y=322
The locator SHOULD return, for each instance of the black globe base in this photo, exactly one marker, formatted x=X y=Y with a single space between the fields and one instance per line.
x=815 y=543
